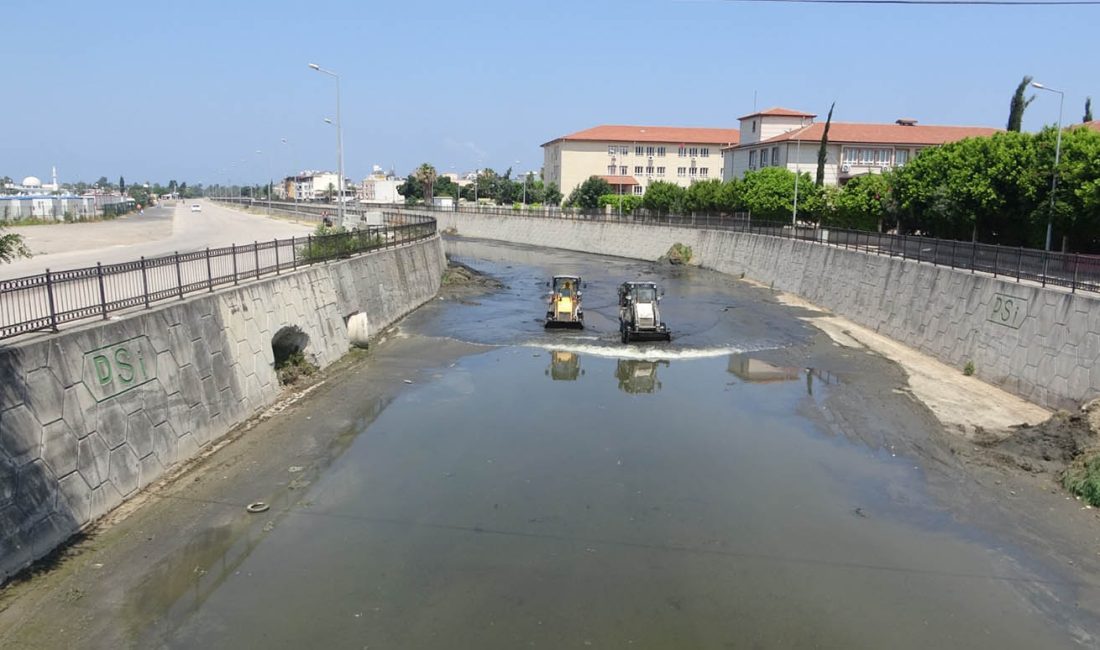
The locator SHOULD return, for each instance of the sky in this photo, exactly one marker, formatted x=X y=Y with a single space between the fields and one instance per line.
x=204 y=91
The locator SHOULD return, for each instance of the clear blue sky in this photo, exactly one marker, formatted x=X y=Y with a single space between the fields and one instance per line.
x=191 y=90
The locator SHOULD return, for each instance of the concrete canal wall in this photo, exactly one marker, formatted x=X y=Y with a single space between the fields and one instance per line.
x=1040 y=343
x=90 y=416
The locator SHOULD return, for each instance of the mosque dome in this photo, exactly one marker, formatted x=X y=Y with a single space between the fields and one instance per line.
x=32 y=181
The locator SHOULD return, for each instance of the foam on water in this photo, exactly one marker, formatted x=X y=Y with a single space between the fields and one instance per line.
x=643 y=353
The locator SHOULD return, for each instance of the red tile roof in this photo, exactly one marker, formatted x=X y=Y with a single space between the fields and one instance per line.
x=666 y=134
x=1094 y=125
x=620 y=180
x=777 y=111
x=847 y=132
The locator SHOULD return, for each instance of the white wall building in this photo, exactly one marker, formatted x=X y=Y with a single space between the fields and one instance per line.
x=632 y=157
x=781 y=137
x=315 y=185
x=380 y=187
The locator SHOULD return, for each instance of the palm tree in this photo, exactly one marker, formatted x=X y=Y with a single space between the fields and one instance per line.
x=426 y=174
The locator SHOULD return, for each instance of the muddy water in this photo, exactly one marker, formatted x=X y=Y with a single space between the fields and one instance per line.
x=744 y=486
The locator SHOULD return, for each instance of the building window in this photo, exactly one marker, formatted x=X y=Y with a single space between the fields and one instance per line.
x=703 y=171
x=754 y=126
x=693 y=152
x=680 y=171
x=660 y=152
x=611 y=170
x=638 y=169
x=775 y=155
x=763 y=157
x=624 y=150
x=639 y=151
x=638 y=191
x=850 y=155
x=752 y=159
x=649 y=151
x=883 y=157
x=660 y=171
x=901 y=156
x=622 y=170
x=683 y=152
x=693 y=171
x=649 y=170
x=704 y=152
x=611 y=149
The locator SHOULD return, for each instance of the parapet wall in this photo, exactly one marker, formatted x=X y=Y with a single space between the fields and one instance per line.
x=1042 y=344
x=89 y=417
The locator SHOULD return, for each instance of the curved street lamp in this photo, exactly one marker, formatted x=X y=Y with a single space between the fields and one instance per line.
x=339 y=140
x=1057 y=155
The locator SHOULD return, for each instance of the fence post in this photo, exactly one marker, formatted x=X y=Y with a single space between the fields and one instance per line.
x=49 y=296
x=233 y=250
x=953 y=244
x=936 y=252
x=256 y=257
x=1019 y=263
x=1046 y=264
x=293 y=253
x=996 y=259
x=904 y=247
x=1073 y=287
x=309 y=248
x=276 y=242
x=179 y=276
x=144 y=282
x=209 y=272
x=102 y=289
x=973 y=255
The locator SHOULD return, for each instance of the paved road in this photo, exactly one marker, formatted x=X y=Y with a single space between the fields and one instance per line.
x=160 y=231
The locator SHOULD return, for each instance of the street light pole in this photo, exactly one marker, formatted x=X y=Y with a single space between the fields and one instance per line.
x=339 y=141
x=295 y=178
x=1057 y=156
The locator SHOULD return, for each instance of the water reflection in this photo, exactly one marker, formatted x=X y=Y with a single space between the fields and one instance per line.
x=757 y=371
x=638 y=375
x=564 y=366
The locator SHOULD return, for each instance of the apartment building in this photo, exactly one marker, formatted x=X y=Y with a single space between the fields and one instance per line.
x=632 y=157
x=315 y=186
x=782 y=137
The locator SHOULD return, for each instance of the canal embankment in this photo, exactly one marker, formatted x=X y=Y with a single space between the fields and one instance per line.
x=1039 y=343
x=91 y=416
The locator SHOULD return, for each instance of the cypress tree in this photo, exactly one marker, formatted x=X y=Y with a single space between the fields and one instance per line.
x=822 y=152
x=1018 y=104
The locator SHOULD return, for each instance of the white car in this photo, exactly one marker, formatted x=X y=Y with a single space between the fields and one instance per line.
x=195 y=207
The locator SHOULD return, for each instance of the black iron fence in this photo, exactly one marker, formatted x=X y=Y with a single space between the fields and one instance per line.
x=48 y=300
x=1073 y=271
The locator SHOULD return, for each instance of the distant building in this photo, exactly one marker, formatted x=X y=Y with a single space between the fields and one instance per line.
x=315 y=186
x=781 y=137
x=1094 y=125
x=632 y=157
x=380 y=187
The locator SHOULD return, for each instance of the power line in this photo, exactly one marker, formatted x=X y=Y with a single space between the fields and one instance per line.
x=996 y=3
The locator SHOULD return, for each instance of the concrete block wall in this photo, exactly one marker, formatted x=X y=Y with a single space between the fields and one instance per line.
x=90 y=416
x=1042 y=344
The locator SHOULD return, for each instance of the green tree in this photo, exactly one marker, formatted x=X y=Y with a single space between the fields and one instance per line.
x=704 y=196
x=663 y=197
x=121 y=185
x=12 y=246
x=103 y=183
x=1018 y=105
x=139 y=194
x=587 y=194
x=411 y=189
x=330 y=192
x=864 y=203
x=768 y=193
x=426 y=175
x=1088 y=110
x=626 y=203
x=823 y=150
x=551 y=195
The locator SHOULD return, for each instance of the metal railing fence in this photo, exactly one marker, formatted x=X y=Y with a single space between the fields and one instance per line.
x=1073 y=271
x=48 y=300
